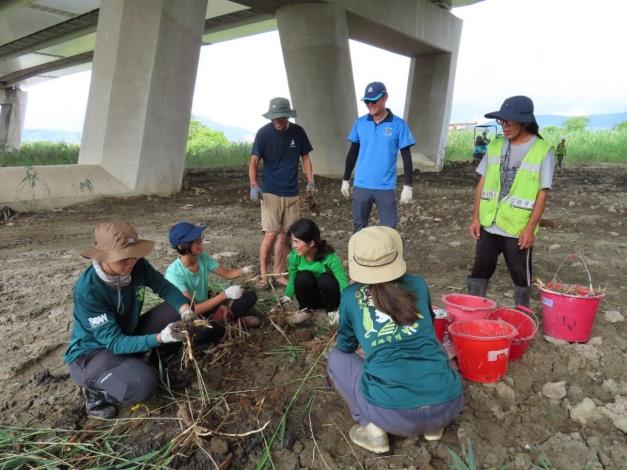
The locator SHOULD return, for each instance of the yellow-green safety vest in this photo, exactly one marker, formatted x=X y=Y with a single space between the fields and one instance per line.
x=513 y=211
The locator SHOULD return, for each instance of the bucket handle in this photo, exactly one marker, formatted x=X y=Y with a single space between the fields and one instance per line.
x=576 y=255
x=531 y=313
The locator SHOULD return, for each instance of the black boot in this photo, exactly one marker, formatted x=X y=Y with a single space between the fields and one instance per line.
x=477 y=286
x=97 y=406
x=521 y=295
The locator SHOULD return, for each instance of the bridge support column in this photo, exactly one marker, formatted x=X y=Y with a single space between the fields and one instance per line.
x=142 y=84
x=314 y=39
x=12 y=114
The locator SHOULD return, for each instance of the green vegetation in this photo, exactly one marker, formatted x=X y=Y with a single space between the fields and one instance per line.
x=207 y=148
x=583 y=147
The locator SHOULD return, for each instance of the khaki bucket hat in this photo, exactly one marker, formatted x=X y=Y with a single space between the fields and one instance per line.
x=375 y=255
x=278 y=108
x=117 y=240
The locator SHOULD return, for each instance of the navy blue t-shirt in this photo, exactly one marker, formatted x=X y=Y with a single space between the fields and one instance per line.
x=281 y=152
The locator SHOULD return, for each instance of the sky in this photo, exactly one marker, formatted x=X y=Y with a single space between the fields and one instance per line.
x=567 y=55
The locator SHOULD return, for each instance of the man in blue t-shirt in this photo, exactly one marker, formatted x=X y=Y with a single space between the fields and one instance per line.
x=281 y=144
x=375 y=140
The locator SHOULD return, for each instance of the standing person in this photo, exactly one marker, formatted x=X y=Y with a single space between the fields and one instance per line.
x=316 y=274
x=190 y=273
x=405 y=385
x=560 y=152
x=280 y=144
x=108 y=335
x=516 y=176
x=375 y=140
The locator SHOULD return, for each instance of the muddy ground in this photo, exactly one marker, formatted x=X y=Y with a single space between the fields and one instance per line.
x=563 y=402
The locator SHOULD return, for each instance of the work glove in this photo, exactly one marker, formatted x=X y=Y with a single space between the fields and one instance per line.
x=346 y=189
x=406 y=195
x=233 y=292
x=311 y=187
x=255 y=193
x=334 y=317
x=187 y=314
x=170 y=334
x=285 y=299
x=248 y=269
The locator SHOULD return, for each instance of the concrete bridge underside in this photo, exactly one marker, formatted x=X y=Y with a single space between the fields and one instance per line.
x=144 y=67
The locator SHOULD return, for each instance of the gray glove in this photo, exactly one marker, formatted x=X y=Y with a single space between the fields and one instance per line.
x=255 y=193
x=170 y=334
x=187 y=314
x=311 y=187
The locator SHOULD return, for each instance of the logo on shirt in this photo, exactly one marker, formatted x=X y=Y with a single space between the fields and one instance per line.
x=387 y=131
x=292 y=144
x=141 y=293
x=98 y=320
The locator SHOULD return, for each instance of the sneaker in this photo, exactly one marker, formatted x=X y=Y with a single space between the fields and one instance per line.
x=300 y=316
x=250 y=321
x=97 y=406
x=371 y=437
x=434 y=436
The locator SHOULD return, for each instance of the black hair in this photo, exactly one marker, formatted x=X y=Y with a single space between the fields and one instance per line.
x=184 y=248
x=533 y=128
x=307 y=231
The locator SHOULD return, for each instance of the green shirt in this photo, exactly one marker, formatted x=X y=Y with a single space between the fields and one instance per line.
x=330 y=263
x=197 y=282
x=105 y=320
x=405 y=366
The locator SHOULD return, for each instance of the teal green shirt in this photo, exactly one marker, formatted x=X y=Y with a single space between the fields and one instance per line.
x=104 y=320
x=405 y=366
x=330 y=263
x=197 y=282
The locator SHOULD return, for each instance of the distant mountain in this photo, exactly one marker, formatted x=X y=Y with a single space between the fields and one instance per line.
x=597 y=121
x=234 y=134
x=51 y=135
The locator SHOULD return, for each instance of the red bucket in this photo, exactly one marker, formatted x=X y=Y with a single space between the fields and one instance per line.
x=525 y=324
x=467 y=307
x=569 y=310
x=482 y=348
x=440 y=323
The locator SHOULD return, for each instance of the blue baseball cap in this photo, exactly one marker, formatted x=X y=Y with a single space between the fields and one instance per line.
x=184 y=232
x=374 y=91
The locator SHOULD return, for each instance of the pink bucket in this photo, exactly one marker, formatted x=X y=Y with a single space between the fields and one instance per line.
x=467 y=307
x=569 y=310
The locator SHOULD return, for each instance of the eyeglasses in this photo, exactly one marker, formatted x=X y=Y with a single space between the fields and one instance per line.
x=371 y=102
x=502 y=122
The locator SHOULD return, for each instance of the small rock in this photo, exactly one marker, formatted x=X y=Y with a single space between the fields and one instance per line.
x=554 y=246
x=555 y=341
x=613 y=316
x=456 y=243
x=584 y=411
x=506 y=393
x=596 y=341
x=431 y=238
x=219 y=446
x=614 y=234
x=437 y=219
x=571 y=203
x=554 y=390
x=509 y=294
x=611 y=209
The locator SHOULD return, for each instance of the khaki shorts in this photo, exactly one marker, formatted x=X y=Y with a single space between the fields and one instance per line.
x=278 y=213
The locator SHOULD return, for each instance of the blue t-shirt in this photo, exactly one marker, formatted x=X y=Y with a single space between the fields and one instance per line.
x=378 y=150
x=197 y=282
x=281 y=152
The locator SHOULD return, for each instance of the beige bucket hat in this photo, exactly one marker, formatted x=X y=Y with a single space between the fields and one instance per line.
x=117 y=240
x=375 y=255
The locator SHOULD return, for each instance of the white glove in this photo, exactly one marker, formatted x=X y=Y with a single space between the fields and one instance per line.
x=170 y=335
x=346 y=189
x=334 y=317
x=248 y=269
x=187 y=314
x=233 y=292
x=286 y=299
x=406 y=195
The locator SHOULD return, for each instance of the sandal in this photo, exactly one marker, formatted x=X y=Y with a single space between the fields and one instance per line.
x=262 y=283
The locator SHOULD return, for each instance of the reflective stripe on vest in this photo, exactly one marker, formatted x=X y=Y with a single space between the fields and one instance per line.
x=511 y=213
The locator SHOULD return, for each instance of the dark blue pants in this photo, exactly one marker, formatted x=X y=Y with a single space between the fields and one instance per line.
x=363 y=199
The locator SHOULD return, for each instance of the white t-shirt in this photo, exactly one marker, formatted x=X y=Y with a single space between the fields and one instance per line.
x=511 y=156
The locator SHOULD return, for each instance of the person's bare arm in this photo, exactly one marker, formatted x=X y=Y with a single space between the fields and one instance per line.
x=307 y=167
x=227 y=273
x=527 y=236
x=253 y=165
x=475 y=226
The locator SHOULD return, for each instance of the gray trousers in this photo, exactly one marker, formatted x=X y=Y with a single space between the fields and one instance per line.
x=126 y=379
x=363 y=199
x=345 y=372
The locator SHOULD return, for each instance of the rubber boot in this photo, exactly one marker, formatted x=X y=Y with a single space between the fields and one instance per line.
x=97 y=406
x=521 y=295
x=477 y=286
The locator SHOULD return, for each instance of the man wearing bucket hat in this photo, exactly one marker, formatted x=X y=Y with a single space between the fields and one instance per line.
x=516 y=176
x=281 y=144
x=376 y=139
x=405 y=385
x=108 y=335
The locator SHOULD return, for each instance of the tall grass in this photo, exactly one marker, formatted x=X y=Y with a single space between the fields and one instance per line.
x=583 y=147
x=41 y=153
